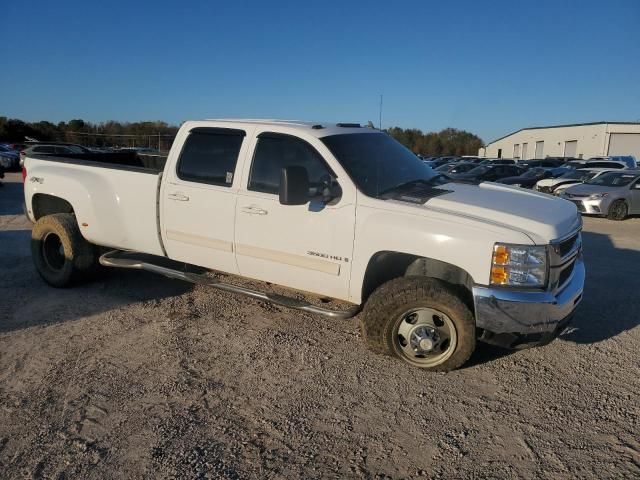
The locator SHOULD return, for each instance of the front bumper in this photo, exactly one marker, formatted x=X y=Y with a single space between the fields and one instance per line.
x=598 y=206
x=519 y=319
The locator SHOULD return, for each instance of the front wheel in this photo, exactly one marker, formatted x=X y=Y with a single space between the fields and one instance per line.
x=423 y=321
x=618 y=210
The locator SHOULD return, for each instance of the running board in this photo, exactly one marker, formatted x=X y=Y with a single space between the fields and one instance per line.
x=122 y=259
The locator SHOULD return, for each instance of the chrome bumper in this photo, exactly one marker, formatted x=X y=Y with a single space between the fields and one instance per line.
x=512 y=317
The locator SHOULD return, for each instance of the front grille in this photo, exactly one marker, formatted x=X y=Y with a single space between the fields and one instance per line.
x=565 y=274
x=564 y=247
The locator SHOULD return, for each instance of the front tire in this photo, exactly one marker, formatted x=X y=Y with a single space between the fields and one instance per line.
x=618 y=210
x=60 y=253
x=421 y=320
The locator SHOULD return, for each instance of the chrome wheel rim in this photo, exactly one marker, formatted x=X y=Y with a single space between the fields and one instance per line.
x=425 y=337
x=53 y=251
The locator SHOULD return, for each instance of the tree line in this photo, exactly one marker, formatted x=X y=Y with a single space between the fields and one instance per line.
x=449 y=141
x=78 y=131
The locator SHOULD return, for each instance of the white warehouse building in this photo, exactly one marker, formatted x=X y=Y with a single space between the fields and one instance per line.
x=581 y=140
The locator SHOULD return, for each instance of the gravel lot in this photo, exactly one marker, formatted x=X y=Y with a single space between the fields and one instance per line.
x=140 y=376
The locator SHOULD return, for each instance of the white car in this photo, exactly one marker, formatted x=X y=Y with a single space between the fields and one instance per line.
x=556 y=186
x=335 y=210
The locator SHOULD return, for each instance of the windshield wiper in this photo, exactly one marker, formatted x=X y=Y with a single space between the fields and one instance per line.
x=411 y=183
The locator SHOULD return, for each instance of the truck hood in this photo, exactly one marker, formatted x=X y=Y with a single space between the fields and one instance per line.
x=541 y=217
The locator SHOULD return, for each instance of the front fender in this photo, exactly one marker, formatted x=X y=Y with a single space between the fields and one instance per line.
x=465 y=243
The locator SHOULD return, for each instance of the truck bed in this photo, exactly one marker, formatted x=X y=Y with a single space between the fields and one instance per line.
x=127 y=160
x=114 y=196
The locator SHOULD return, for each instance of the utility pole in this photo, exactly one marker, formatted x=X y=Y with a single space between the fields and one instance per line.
x=380 y=117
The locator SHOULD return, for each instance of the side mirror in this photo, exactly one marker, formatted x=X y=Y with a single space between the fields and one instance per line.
x=294 y=186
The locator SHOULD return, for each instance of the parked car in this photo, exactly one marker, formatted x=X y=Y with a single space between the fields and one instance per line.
x=51 y=148
x=530 y=177
x=453 y=168
x=628 y=160
x=575 y=164
x=472 y=159
x=338 y=211
x=604 y=164
x=614 y=195
x=9 y=158
x=556 y=186
x=476 y=160
x=439 y=161
x=488 y=173
x=542 y=162
x=18 y=147
x=497 y=161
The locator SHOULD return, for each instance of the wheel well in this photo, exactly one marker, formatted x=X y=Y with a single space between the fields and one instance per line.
x=385 y=266
x=44 y=204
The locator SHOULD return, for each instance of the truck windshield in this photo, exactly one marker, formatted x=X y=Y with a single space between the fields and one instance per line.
x=377 y=163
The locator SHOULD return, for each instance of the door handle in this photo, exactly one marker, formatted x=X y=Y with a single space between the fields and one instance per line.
x=254 y=210
x=178 y=196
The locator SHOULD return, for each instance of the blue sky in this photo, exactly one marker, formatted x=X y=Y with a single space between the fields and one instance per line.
x=489 y=67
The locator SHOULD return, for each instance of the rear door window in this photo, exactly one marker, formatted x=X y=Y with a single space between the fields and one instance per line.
x=210 y=155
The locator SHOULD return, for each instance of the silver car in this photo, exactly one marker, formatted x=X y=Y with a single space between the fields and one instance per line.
x=614 y=195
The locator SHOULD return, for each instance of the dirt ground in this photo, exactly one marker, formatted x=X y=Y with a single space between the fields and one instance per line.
x=138 y=376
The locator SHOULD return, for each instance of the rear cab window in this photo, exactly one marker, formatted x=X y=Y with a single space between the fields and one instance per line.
x=210 y=156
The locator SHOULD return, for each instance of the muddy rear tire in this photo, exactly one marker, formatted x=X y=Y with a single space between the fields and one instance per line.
x=423 y=321
x=60 y=253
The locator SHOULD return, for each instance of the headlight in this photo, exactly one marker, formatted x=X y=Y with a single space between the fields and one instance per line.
x=5 y=162
x=596 y=196
x=519 y=265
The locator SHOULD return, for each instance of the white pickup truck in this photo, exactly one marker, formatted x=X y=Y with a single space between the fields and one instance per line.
x=337 y=210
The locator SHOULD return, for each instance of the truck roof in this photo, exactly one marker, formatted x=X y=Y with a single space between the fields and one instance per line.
x=317 y=129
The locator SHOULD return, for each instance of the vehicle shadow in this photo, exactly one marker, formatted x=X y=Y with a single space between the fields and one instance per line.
x=27 y=301
x=611 y=303
x=11 y=194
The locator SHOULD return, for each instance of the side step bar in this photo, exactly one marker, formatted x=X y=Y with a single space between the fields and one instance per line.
x=138 y=261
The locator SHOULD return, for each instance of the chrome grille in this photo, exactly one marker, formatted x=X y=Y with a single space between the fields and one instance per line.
x=565 y=274
x=563 y=255
x=564 y=247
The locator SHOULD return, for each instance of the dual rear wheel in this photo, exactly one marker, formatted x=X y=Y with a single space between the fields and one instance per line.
x=60 y=253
